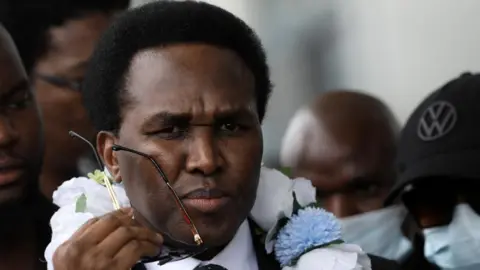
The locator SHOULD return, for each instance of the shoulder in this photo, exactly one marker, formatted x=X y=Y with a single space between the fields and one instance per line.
x=379 y=263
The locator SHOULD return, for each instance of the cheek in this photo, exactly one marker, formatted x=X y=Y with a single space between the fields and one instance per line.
x=371 y=203
x=62 y=107
x=29 y=128
x=144 y=186
x=243 y=159
x=244 y=151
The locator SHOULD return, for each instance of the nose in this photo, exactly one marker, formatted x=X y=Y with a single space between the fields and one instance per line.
x=8 y=134
x=203 y=154
x=341 y=205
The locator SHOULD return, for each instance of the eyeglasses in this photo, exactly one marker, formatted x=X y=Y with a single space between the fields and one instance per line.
x=186 y=216
x=61 y=82
x=167 y=254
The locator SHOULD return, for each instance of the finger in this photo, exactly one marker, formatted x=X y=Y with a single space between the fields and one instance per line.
x=84 y=227
x=122 y=212
x=133 y=251
x=114 y=242
x=99 y=230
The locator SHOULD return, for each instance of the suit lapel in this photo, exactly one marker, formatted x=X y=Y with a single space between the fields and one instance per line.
x=264 y=260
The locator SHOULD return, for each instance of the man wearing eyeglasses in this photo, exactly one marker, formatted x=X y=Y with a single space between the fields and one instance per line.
x=439 y=174
x=24 y=212
x=55 y=39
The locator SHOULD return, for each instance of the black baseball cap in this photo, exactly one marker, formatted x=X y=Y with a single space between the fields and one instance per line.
x=442 y=136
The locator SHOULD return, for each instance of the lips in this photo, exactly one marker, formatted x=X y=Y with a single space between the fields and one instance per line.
x=10 y=174
x=206 y=200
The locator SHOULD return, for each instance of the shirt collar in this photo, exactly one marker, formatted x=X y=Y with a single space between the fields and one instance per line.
x=237 y=255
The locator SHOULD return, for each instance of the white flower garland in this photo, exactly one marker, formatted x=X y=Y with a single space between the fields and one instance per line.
x=302 y=235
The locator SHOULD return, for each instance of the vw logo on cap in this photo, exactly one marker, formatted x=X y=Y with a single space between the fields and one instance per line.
x=437 y=121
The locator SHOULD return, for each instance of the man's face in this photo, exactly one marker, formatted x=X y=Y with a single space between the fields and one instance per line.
x=191 y=107
x=70 y=48
x=20 y=128
x=432 y=200
x=352 y=174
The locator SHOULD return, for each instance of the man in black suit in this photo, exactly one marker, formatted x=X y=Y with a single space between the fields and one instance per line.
x=186 y=83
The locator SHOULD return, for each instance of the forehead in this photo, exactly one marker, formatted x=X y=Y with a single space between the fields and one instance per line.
x=11 y=69
x=75 y=40
x=345 y=148
x=190 y=78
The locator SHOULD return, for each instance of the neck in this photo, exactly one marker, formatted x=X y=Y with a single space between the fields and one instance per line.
x=17 y=221
x=18 y=248
x=209 y=254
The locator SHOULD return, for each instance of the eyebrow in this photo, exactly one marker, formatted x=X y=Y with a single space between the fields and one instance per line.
x=22 y=85
x=242 y=114
x=167 y=118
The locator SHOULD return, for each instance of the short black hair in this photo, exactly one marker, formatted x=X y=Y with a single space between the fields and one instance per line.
x=165 y=23
x=28 y=21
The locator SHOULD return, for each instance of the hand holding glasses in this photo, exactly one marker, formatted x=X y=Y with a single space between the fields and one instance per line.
x=167 y=254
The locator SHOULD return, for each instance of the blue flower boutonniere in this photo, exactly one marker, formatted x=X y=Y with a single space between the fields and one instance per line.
x=308 y=228
x=301 y=234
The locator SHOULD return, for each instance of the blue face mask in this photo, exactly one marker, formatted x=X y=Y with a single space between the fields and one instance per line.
x=386 y=240
x=456 y=245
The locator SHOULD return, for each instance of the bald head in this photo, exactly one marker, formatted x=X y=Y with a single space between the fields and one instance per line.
x=8 y=52
x=345 y=143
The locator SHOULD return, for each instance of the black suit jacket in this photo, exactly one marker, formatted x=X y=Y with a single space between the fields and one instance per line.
x=379 y=263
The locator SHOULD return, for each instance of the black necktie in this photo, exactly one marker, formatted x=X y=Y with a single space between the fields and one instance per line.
x=210 y=267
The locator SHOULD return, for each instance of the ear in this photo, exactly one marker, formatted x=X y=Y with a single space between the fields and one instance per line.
x=105 y=141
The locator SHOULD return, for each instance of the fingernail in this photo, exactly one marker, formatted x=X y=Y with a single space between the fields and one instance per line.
x=159 y=238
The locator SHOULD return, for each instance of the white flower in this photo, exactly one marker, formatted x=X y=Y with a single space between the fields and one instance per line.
x=334 y=257
x=69 y=192
x=275 y=198
x=66 y=221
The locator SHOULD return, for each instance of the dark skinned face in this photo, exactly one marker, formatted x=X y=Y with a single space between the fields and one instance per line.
x=70 y=48
x=20 y=128
x=350 y=162
x=191 y=107
x=433 y=200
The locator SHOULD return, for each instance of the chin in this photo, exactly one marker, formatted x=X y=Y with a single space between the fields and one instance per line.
x=12 y=195
x=216 y=234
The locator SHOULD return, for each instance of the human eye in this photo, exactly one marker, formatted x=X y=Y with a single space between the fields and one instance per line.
x=19 y=101
x=170 y=132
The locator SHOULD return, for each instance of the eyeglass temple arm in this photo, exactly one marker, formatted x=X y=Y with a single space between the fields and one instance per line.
x=106 y=181
x=76 y=135
x=187 y=217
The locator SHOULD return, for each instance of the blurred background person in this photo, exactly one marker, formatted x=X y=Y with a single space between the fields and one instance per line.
x=345 y=142
x=24 y=212
x=55 y=39
x=439 y=155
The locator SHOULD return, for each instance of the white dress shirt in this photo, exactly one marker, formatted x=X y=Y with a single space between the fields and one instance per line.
x=237 y=255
